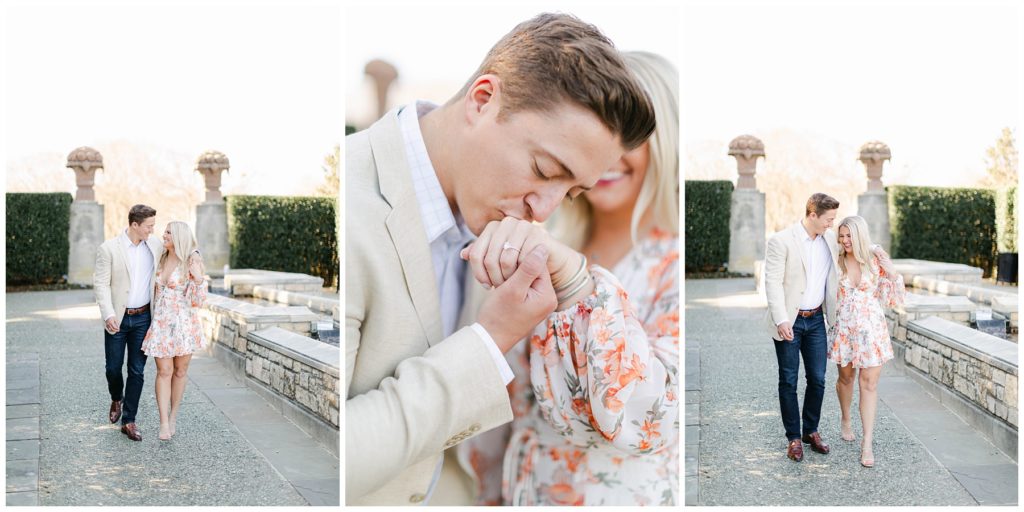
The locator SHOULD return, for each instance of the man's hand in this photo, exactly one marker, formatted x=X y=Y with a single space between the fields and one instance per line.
x=112 y=325
x=503 y=246
x=785 y=331
x=516 y=306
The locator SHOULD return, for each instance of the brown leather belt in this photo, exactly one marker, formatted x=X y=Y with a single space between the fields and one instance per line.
x=136 y=311
x=807 y=313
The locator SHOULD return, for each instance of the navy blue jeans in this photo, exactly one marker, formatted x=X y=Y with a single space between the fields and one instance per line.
x=128 y=339
x=809 y=340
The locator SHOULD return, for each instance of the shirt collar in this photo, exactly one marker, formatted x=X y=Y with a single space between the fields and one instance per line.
x=128 y=241
x=435 y=211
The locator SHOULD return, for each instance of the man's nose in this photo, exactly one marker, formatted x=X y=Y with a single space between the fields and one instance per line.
x=541 y=205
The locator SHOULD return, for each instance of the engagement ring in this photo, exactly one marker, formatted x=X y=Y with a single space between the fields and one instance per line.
x=506 y=246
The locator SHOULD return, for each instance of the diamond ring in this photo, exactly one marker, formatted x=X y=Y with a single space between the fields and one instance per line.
x=506 y=246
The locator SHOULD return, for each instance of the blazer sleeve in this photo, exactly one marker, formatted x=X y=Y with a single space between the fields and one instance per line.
x=432 y=402
x=101 y=283
x=774 y=273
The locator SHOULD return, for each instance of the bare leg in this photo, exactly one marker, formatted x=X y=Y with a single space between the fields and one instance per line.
x=178 y=387
x=868 y=407
x=844 y=388
x=164 y=371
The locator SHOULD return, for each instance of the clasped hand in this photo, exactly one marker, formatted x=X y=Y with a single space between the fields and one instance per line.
x=503 y=246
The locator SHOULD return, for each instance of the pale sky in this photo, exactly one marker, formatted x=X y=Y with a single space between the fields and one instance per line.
x=437 y=47
x=937 y=82
x=258 y=81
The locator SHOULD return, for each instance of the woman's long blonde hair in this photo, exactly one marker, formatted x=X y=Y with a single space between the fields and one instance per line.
x=184 y=245
x=860 y=242
x=657 y=206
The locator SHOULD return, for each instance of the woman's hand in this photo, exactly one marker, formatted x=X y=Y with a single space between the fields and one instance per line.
x=502 y=246
x=195 y=267
x=884 y=260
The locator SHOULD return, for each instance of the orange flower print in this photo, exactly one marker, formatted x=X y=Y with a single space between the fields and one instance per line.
x=564 y=494
x=650 y=429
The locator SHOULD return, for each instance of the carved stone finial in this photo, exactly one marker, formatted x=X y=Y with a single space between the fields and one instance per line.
x=383 y=74
x=85 y=161
x=746 y=149
x=210 y=164
x=873 y=155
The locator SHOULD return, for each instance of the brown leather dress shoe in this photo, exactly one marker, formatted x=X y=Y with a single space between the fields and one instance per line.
x=816 y=443
x=795 y=450
x=115 y=411
x=131 y=431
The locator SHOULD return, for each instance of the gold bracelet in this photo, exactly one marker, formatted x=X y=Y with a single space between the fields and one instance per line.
x=574 y=291
x=572 y=280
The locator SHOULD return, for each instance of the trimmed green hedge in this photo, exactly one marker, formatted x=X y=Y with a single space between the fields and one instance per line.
x=1006 y=220
x=288 y=234
x=955 y=225
x=707 y=224
x=37 y=237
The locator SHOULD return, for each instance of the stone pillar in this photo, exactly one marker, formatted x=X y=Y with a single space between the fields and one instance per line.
x=85 y=233
x=873 y=205
x=212 y=215
x=746 y=212
x=383 y=75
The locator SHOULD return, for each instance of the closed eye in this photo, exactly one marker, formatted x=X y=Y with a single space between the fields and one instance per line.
x=536 y=170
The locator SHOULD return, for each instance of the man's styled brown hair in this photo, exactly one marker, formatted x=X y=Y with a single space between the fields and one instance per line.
x=557 y=57
x=820 y=203
x=139 y=213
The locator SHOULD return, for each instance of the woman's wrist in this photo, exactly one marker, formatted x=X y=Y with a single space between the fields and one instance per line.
x=568 y=268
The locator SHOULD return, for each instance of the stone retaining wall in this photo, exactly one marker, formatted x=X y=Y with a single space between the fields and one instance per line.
x=954 y=309
x=979 y=367
x=228 y=321
x=297 y=368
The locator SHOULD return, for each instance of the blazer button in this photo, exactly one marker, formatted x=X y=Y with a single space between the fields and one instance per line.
x=417 y=498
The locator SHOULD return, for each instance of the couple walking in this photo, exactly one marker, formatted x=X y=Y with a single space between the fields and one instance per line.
x=148 y=292
x=493 y=360
x=825 y=298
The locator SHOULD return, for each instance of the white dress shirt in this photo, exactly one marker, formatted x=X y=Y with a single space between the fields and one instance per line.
x=447 y=235
x=819 y=263
x=140 y=269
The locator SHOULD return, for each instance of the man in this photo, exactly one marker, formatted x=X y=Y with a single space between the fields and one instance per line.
x=801 y=286
x=123 y=284
x=549 y=110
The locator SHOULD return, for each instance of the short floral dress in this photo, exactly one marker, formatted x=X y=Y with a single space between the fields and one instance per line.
x=595 y=397
x=860 y=334
x=176 y=329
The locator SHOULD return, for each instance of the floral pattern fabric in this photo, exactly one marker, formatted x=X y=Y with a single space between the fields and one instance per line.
x=176 y=329
x=860 y=334
x=595 y=397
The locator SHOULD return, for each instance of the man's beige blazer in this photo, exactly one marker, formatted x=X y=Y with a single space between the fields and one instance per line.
x=410 y=393
x=111 y=281
x=785 y=277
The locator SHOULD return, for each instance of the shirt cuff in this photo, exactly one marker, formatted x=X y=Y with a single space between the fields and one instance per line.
x=108 y=318
x=499 y=359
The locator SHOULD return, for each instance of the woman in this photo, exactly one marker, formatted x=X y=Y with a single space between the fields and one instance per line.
x=175 y=332
x=859 y=338
x=595 y=394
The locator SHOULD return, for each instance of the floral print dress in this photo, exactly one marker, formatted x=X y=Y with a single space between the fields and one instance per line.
x=595 y=397
x=175 y=329
x=860 y=334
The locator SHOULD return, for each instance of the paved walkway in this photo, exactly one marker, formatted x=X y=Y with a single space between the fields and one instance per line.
x=231 y=448
x=924 y=454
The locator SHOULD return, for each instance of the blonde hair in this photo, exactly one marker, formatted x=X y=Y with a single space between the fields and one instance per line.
x=184 y=245
x=861 y=243
x=658 y=201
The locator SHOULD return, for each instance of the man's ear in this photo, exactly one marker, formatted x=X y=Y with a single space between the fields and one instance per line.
x=484 y=96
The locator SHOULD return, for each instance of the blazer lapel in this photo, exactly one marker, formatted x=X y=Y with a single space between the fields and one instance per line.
x=405 y=225
x=124 y=259
x=798 y=236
